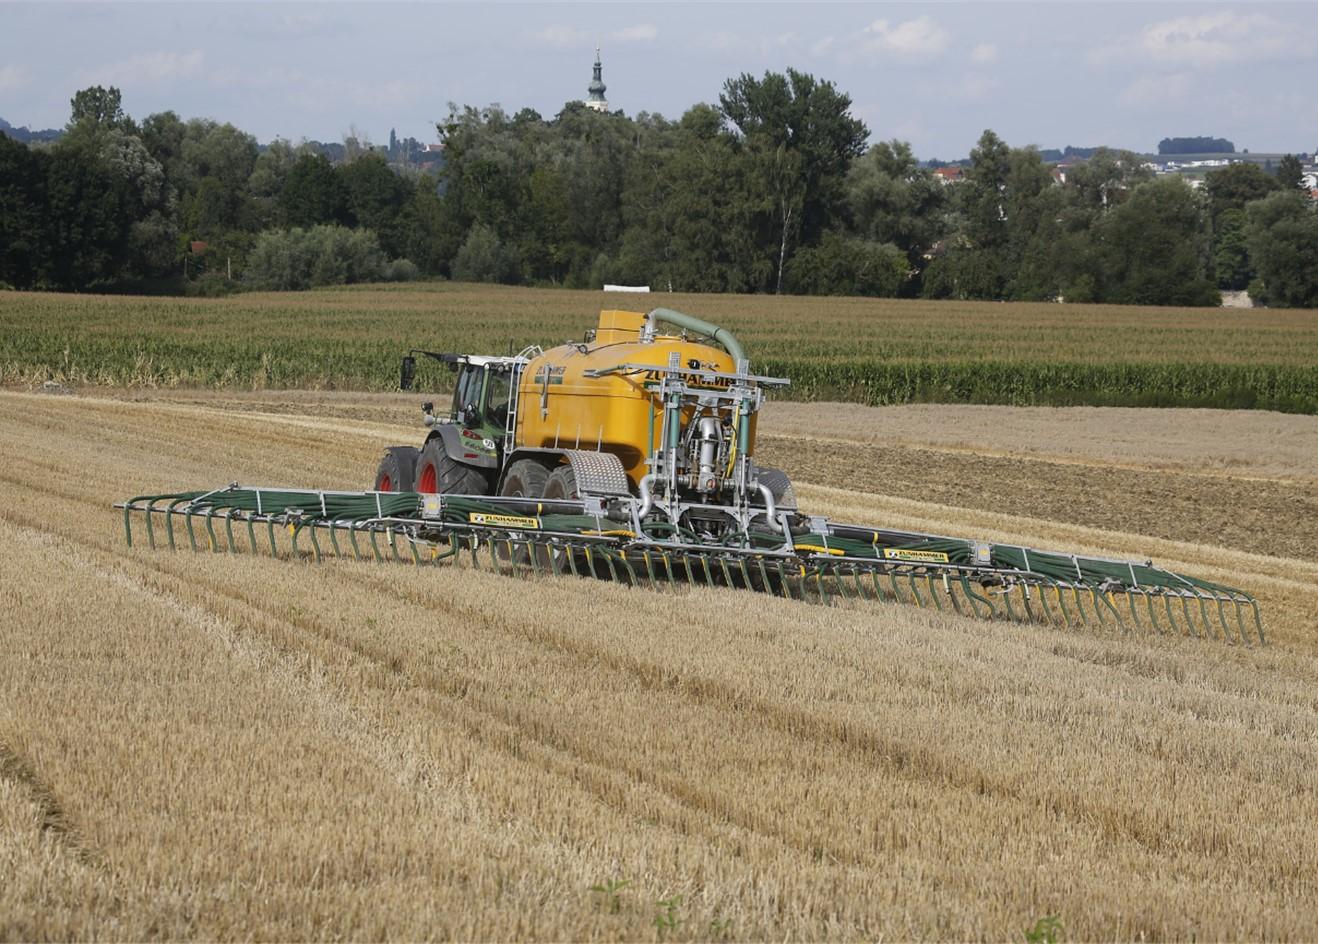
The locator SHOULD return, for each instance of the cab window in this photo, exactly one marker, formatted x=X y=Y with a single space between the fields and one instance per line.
x=468 y=390
x=497 y=391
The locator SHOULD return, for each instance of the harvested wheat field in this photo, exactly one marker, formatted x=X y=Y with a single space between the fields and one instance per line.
x=199 y=745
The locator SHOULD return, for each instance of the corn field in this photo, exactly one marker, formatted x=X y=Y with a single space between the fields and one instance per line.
x=865 y=351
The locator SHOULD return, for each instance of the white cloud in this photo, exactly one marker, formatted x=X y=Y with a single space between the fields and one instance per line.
x=1211 y=39
x=12 y=78
x=920 y=37
x=984 y=53
x=976 y=88
x=745 y=44
x=640 y=33
x=821 y=46
x=302 y=24
x=561 y=37
x=148 y=69
x=1152 y=91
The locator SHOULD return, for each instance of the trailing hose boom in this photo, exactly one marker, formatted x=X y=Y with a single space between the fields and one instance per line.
x=631 y=456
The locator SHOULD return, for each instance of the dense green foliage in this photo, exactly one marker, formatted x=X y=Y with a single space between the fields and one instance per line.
x=325 y=254
x=1281 y=232
x=772 y=190
x=867 y=350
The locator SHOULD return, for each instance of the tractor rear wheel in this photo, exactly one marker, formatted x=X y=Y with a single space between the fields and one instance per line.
x=525 y=479
x=562 y=484
x=437 y=471
x=397 y=470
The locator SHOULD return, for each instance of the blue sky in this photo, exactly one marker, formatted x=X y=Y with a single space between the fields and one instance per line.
x=935 y=74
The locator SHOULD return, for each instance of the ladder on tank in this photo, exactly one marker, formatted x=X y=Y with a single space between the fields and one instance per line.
x=524 y=357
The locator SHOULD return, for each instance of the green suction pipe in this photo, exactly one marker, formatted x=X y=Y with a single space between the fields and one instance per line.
x=690 y=322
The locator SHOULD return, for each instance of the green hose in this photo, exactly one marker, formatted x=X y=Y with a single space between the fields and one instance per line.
x=712 y=331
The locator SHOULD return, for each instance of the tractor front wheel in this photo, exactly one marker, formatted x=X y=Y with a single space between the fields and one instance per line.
x=438 y=472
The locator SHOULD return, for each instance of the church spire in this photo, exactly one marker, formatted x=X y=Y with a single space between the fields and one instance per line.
x=596 y=88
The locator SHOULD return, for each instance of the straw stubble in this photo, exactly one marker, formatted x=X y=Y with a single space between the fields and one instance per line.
x=225 y=746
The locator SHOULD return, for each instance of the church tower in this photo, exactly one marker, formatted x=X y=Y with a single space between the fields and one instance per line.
x=597 y=101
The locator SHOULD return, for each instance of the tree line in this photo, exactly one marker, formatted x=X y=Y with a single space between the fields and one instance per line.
x=772 y=189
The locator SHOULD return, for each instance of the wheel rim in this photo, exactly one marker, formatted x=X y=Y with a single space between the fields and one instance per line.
x=429 y=480
x=386 y=484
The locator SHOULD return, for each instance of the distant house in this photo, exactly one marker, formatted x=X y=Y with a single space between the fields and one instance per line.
x=949 y=175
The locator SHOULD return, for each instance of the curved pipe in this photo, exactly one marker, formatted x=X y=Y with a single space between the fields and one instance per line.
x=647 y=496
x=770 y=506
x=712 y=331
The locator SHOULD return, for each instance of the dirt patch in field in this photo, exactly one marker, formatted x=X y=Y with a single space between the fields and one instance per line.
x=1232 y=442
x=1277 y=518
x=1228 y=479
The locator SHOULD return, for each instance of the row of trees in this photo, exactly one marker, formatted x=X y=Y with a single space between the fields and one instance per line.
x=115 y=204
x=771 y=190
x=774 y=190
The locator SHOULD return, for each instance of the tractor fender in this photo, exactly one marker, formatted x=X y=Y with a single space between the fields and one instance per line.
x=451 y=438
x=597 y=473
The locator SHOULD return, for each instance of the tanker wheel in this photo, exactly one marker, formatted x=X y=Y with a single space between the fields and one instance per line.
x=562 y=486
x=437 y=471
x=525 y=479
x=397 y=469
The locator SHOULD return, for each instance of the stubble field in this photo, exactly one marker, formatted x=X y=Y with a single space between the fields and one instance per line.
x=215 y=746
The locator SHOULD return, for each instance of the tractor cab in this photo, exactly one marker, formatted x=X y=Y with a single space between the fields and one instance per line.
x=482 y=391
x=464 y=450
x=481 y=396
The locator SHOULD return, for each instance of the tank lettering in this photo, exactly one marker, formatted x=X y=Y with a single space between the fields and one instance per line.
x=555 y=375
x=690 y=379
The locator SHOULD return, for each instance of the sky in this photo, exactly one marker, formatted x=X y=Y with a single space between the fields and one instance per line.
x=934 y=74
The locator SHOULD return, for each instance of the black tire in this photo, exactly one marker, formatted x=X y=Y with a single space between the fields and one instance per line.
x=437 y=471
x=561 y=484
x=397 y=469
x=525 y=478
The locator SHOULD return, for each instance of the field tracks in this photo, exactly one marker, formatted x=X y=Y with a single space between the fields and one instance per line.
x=258 y=747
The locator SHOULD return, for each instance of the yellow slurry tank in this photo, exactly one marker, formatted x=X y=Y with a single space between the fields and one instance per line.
x=562 y=406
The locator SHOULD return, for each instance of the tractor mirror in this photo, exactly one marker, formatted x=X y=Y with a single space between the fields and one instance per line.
x=408 y=373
